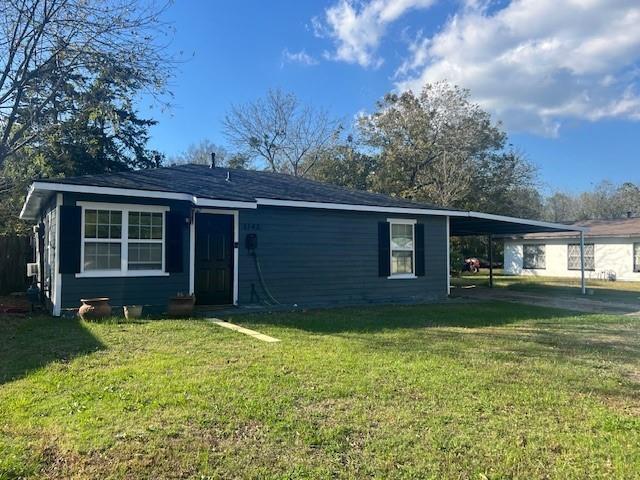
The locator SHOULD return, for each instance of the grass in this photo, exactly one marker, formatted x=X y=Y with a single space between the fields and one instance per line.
x=625 y=292
x=441 y=391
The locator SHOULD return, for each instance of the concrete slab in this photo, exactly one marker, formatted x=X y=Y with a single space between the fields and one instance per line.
x=246 y=331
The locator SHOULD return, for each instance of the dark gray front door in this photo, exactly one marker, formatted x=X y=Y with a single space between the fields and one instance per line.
x=214 y=259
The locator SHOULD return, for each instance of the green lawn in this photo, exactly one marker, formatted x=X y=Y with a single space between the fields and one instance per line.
x=445 y=391
x=626 y=292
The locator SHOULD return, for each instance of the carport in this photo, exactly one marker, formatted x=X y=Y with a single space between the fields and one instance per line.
x=467 y=224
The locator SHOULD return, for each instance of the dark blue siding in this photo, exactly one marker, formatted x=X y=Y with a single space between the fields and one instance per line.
x=153 y=292
x=324 y=257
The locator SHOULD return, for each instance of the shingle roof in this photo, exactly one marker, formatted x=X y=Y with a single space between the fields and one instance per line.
x=243 y=185
x=619 y=227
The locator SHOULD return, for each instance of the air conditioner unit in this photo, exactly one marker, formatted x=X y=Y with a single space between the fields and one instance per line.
x=32 y=269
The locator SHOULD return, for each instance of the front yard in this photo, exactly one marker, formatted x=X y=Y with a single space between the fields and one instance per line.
x=447 y=391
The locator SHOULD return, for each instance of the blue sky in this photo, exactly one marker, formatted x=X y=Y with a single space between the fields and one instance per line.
x=563 y=78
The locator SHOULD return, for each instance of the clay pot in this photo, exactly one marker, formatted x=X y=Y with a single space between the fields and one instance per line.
x=94 y=308
x=181 y=306
x=131 y=312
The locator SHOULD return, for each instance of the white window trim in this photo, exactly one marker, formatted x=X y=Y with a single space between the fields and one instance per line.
x=402 y=221
x=124 y=271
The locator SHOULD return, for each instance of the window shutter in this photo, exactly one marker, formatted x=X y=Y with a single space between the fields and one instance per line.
x=420 y=249
x=70 y=238
x=174 y=228
x=384 y=246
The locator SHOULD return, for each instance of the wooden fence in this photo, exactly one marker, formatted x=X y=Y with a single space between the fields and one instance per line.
x=15 y=252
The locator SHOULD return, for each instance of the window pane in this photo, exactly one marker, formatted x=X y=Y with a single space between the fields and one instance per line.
x=401 y=236
x=101 y=256
x=401 y=262
x=533 y=257
x=103 y=217
x=145 y=256
x=90 y=230
x=90 y=216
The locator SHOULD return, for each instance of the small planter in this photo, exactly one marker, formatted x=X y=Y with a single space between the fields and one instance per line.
x=181 y=306
x=132 y=312
x=94 y=308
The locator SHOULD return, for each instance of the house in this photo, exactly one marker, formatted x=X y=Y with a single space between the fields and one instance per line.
x=611 y=251
x=239 y=237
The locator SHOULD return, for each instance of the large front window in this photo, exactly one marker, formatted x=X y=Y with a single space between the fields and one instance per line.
x=533 y=257
x=402 y=248
x=119 y=239
x=573 y=256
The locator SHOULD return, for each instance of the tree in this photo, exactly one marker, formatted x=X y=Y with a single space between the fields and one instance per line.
x=280 y=131
x=51 y=50
x=200 y=154
x=429 y=145
x=102 y=133
x=345 y=165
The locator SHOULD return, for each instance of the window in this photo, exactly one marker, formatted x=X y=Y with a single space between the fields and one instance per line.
x=402 y=248
x=102 y=239
x=533 y=257
x=122 y=240
x=573 y=256
x=636 y=257
x=146 y=252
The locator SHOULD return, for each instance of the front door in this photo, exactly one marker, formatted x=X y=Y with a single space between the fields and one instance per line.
x=214 y=259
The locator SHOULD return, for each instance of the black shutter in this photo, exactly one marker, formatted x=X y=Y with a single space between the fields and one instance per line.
x=384 y=261
x=420 y=250
x=70 y=238
x=173 y=244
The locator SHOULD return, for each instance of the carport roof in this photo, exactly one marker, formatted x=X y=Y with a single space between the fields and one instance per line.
x=476 y=223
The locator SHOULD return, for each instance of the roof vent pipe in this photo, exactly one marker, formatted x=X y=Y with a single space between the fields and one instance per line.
x=213 y=160
x=228 y=179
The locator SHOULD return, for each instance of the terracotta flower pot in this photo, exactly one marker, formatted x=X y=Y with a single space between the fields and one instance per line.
x=94 y=308
x=181 y=306
x=131 y=312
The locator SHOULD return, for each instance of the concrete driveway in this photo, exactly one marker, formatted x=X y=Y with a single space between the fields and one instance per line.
x=578 y=304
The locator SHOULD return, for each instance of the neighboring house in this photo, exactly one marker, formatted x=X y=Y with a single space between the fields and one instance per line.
x=611 y=251
x=241 y=237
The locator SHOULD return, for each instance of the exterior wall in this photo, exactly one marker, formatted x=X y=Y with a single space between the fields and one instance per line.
x=611 y=254
x=153 y=292
x=327 y=257
x=307 y=257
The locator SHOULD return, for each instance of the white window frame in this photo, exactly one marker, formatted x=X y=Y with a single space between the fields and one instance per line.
x=402 y=221
x=124 y=240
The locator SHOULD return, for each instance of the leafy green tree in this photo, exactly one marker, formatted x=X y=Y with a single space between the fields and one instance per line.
x=345 y=165
x=104 y=134
x=51 y=51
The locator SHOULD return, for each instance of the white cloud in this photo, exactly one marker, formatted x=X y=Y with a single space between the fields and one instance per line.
x=357 y=28
x=301 y=57
x=535 y=63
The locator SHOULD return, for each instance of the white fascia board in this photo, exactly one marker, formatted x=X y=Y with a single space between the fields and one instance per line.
x=128 y=192
x=356 y=208
x=211 y=202
x=524 y=221
x=23 y=211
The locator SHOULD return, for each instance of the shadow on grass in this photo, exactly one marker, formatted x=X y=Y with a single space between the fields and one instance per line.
x=31 y=343
x=393 y=317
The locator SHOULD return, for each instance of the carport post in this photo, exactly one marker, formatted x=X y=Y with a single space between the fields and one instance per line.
x=583 y=287
x=490 y=261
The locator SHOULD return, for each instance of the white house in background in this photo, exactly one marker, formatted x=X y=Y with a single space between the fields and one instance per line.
x=611 y=251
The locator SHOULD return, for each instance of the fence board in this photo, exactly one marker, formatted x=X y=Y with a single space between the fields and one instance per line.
x=15 y=252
